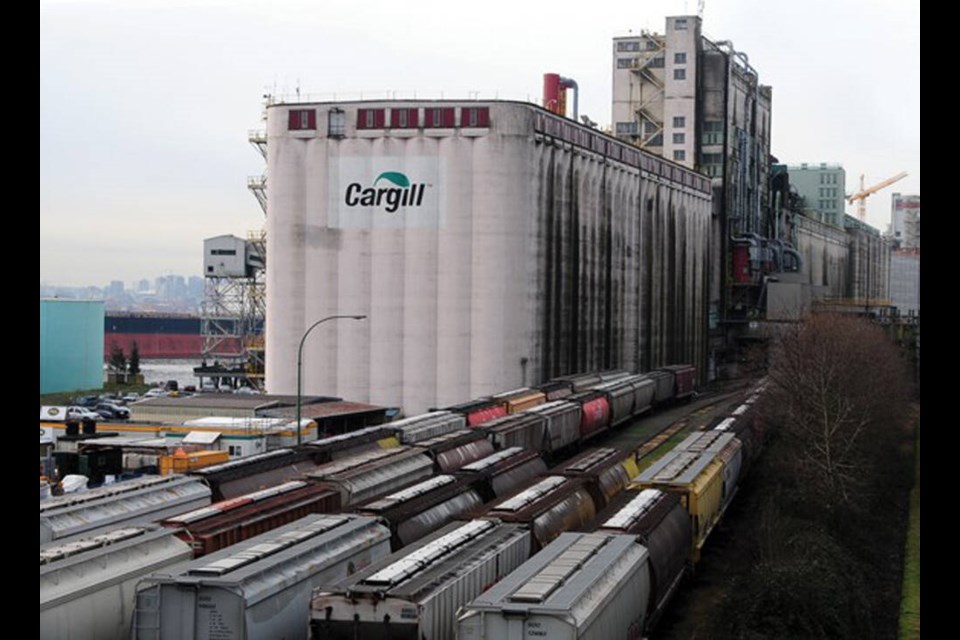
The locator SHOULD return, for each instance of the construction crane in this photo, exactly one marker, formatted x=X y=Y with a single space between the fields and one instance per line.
x=861 y=197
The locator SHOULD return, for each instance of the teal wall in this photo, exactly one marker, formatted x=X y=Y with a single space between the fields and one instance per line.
x=71 y=345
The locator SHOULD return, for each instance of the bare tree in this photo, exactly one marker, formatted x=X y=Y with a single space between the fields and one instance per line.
x=837 y=382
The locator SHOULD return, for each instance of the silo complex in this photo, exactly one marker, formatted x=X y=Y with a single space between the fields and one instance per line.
x=491 y=245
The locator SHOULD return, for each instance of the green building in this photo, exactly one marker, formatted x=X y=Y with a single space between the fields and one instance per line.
x=71 y=345
x=822 y=187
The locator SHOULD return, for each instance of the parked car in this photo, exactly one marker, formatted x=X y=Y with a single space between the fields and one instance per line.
x=131 y=397
x=86 y=401
x=112 y=411
x=155 y=393
x=81 y=413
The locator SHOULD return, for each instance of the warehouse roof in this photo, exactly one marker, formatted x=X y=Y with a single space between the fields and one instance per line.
x=324 y=409
x=232 y=401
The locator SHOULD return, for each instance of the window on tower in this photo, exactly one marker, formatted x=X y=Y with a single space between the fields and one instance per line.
x=302 y=120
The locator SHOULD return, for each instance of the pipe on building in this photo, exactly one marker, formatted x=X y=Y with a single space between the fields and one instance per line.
x=572 y=84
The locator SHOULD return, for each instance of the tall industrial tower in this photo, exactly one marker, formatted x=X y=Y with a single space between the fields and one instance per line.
x=700 y=103
x=233 y=312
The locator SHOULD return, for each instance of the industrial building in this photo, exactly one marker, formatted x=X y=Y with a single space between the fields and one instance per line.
x=700 y=103
x=905 y=281
x=823 y=189
x=905 y=220
x=869 y=275
x=71 y=345
x=490 y=244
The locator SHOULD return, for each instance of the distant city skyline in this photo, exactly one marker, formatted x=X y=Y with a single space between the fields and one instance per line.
x=166 y=293
x=145 y=105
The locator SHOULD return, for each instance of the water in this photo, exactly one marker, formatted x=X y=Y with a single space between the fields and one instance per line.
x=155 y=371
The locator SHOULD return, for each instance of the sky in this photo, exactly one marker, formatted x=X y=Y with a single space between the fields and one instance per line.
x=145 y=105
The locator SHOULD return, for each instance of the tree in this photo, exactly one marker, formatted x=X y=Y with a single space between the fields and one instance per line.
x=839 y=384
x=134 y=364
x=118 y=361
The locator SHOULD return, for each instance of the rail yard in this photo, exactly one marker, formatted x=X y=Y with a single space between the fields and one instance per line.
x=427 y=491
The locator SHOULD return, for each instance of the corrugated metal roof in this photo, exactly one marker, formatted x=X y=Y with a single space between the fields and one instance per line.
x=70 y=569
x=678 y=467
x=633 y=510
x=528 y=496
x=566 y=576
x=139 y=503
x=489 y=461
x=231 y=401
x=201 y=437
x=420 y=558
x=325 y=410
x=269 y=563
x=554 y=408
x=351 y=462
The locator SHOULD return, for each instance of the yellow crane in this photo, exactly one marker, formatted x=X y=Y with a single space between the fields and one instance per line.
x=861 y=197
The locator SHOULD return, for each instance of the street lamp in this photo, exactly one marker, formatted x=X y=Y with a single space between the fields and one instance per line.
x=300 y=364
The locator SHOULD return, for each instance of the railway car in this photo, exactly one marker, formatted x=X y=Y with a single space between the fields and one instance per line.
x=416 y=511
x=585 y=381
x=372 y=474
x=583 y=586
x=131 y=502
x=729 y=450
x=452 y=450
x=550 y=506
x=520 y=399
x=578 y=382
x=697 y=478
x=594 y=413
x=744 y=423
x=605 y=471
x=414 y=594
x=563 y=424
x=252 y=473
x=478 y=412
x=629 y=397
x=502 y=472
x=222 y=524
x=662 y=525
x=332 y=448
x=259 y=588
x=684 y=380
x=663 y=382
x=87 y=583
x=555 y=390
x=427 y=425
x=526 y=430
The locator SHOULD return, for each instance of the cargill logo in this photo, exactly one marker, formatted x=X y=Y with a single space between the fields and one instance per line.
x=390 y=190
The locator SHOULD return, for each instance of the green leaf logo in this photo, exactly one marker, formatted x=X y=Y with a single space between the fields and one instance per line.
x=395 y=177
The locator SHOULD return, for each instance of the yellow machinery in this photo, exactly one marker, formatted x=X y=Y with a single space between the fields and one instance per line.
x=861 y=197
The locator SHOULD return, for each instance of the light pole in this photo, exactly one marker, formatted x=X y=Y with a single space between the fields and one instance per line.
x=300 y=364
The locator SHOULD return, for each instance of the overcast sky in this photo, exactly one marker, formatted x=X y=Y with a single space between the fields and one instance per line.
x=145 y=105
